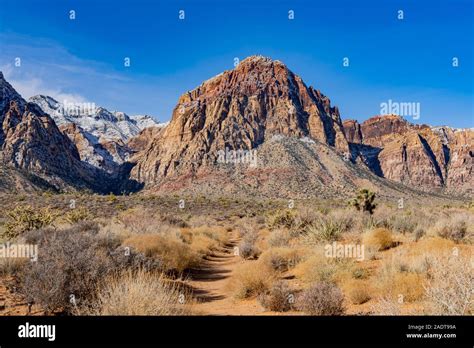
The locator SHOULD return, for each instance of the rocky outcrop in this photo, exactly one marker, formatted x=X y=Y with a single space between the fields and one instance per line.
x=95 y=120
x=143 y=140
x=103 y=154
x=239 y=110
x=31 y=142
x=36 y=154
x=101 y=136
x=415 y=155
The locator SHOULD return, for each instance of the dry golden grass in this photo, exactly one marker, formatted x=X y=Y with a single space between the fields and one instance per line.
x=172 y=252
x=409 y=285
x=139 y=293
x=9 y=266
x=205 y=239
x=281 y=259
x=138 y=220
x=395 y=279
x=314 y=268
x=457 y=226
x=449 y=290
x=357 y=291
x=319 y=268
x=250 y=279
x=378 y=239
x=278 y=238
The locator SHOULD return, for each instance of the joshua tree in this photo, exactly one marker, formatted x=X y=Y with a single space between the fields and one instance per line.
x=364 y=201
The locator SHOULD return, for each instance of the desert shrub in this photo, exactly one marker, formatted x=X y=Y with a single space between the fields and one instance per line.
x=321 y=298
x=26 y=218
x=124 y=258
x=247 y=246
x=174 y=221
x=203 y=244
x=11 y=266
x=279 y=237
x=248 y=250
x=358 y=292
x=280 y=259
x=279 y=298
x=41 y=235
x=138 y=293
x=251 y=280
x=407 y=284
x=73 y=262
x=343 y=218
x=397 y=277
x=139 y=221
x=316 y=268
x=419 y=233
x=360 y=273
x=378 y=239
x=204 y=239
x=454 y=227
x=305 y=216
x=324 y=229
x=386 y=306
x=69 y=264
x=449 y=290
x=74 y=216
x=111 y=198
x=246 y=227
x=403 y=223
x=282 y=218
x=174 y=254
x=364 y=201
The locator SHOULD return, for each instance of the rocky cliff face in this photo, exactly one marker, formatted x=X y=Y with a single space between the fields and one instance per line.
x=101 y=136
x=31 y=142
x=96 y=120
x=239 y=110
x=416 y=155
x=106 y=155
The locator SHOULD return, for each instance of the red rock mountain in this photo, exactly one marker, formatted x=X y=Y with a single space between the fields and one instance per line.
x=430 y=158
x=254 y=130
x=239 y=109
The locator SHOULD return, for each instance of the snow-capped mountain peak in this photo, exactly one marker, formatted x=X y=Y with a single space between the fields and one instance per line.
x=93 y=119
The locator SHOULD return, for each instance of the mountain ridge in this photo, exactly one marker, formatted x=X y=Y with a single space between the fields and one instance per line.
x=261 y=112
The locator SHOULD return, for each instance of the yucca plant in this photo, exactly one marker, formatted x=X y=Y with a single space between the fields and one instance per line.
x=364 y=201
x=27 y=218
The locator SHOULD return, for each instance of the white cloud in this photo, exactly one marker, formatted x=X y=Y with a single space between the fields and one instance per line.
x=29 y=86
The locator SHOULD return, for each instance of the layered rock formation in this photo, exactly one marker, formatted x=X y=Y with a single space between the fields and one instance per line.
x=31 y=142
x=101 y=136
x=239 y=110
x=416 y=155
x=254 y=130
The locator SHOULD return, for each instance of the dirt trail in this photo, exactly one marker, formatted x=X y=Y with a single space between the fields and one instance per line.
x=210 y=287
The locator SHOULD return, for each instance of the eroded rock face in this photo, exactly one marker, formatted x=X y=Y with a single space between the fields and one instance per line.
x=416 y=155
x=239 y=109
x=100 y=153
x=143 y=140
x=31 y=141
x=100 y=135
x=32 y=146
x=461 y=160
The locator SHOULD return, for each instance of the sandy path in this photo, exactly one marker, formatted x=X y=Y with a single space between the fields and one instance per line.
x=210 y=288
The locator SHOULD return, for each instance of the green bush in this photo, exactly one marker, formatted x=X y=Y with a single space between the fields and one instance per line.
x=364 y=201
x=26 y=218
x=282 y=218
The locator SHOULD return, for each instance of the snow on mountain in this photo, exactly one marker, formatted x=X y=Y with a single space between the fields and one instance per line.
x=96 y=120
x=100 y=136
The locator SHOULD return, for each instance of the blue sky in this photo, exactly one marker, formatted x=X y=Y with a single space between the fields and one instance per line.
x=407 y=60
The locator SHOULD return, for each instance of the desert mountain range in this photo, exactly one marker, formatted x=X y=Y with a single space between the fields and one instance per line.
x=255 y=130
